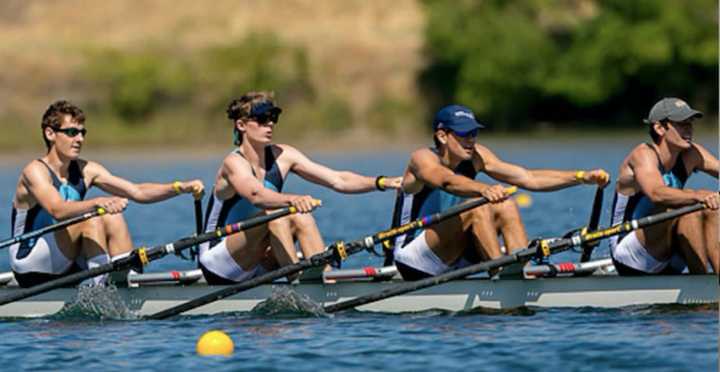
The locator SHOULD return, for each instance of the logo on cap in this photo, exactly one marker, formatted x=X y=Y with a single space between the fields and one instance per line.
x=465 y=114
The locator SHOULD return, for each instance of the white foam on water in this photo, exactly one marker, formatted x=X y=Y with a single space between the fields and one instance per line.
x=285 y=302
x=97 y=302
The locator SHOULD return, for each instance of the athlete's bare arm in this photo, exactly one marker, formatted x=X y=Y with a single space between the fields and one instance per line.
x=533 y=179
x=238 y=174
x=36 y=187
x=340 y=181
x=139 y=192
x=427 y=168
x=644 y=165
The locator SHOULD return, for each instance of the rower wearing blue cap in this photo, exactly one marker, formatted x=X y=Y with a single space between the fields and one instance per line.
x=441 y=176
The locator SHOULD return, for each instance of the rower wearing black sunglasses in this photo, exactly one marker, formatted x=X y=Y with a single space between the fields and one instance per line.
x=437 y=178
x=53 y=187
x=250 y=180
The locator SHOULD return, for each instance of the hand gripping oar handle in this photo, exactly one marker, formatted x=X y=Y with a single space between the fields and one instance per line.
x=143 y=256
x=545 y=247
x=336 y=251
x=51 y=228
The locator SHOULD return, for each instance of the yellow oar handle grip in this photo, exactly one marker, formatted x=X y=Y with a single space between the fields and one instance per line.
x=315 y=203
x=511 y=190
x=101 y=211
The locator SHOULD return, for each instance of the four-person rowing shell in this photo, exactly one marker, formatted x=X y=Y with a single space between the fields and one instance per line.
x=253 y=229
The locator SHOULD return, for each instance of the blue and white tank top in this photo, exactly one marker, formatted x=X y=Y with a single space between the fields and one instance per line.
x=27 y=220
x=409 y=207
x=235 y=209
x=638 y=205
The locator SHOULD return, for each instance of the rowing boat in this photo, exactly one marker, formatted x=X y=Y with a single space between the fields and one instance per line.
x=604 y=291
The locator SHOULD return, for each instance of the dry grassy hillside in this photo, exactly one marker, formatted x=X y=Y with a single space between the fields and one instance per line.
x=357 y=49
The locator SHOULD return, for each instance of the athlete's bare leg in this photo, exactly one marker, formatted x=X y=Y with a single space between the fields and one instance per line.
x=117 y=234
x=484 y=232
x=697 y=235
x=449 y=238
x=657 y=240
x=305 y=230
x=282 y=242
x=248 y=247
x=86 y=239
x=506 y=216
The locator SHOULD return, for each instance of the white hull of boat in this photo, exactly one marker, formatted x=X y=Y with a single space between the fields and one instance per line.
x=604 y=291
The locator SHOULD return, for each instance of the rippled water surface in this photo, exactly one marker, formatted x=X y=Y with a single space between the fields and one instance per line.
x=657 y=338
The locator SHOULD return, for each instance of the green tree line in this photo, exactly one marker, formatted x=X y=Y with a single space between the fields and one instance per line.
x=518 y=62
x=572 y=63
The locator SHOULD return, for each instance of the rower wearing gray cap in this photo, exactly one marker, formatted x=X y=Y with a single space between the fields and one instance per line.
x=439 y=177
x=651 y=179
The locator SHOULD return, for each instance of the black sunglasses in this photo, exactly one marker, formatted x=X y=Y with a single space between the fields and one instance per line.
x=70 y=132
x=267 y=117
x=465 y=134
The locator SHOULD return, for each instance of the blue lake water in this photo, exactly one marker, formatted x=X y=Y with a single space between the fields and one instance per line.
x=671 y=338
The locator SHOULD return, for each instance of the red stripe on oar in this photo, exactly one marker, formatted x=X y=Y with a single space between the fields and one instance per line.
x=370 y=271
x=566 y=267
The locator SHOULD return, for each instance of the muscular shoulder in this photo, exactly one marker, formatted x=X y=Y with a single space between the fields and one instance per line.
x=484 y=159
x=235 y=162
x=642 y=155
x=91 y=170
x=289 y=158
x=89 y=166
x=640 y=164
x=424 y=155
x=286 y=151
x=34 y=172
x=482 y=150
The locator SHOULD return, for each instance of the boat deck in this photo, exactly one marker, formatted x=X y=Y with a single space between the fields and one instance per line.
x=605 y=291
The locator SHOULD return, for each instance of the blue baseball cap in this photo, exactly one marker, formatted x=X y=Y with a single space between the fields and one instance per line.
x=456 y=118
x=264 y=108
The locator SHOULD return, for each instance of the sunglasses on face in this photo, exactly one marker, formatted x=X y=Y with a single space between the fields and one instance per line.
x=267 y=117
x=71 y=132
x=466 y=134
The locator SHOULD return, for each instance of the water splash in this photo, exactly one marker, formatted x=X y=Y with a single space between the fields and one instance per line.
x=98 y=303
x=284 y=302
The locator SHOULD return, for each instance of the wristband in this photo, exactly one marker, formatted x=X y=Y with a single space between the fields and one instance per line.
x=580 y=176
x=380 y=183
x=176 y=186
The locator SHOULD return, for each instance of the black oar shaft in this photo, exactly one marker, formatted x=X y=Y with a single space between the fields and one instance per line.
x=323 y=258
x=197 y=203
x=523 y=255
x=51 y=228
x=142 y=256
x=594 y=223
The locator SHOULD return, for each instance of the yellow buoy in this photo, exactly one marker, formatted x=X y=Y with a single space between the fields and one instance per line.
x=524 y=200
x=215 y=343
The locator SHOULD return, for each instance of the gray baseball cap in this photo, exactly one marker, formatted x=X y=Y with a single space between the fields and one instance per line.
x=673 y=109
